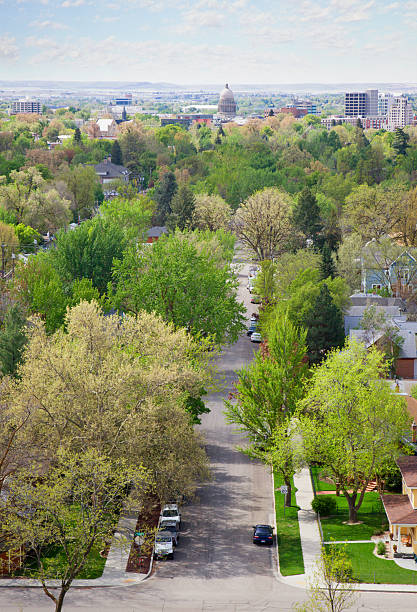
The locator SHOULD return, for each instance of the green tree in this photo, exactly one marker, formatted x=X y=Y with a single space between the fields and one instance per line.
x=164 y=192
x=27 y=236
x=77 y=137
x=75 y=507
x=353 y=422
x=38 y=286
x=324 y=324
x=180 y=280
x=263 y=223
x=211 y=212
x=327 y=266
x=182 y=207
x=306 y=215
x=400 y=141
x=89 y=251
x=116 y=153
x=12 y=340
x=81 y=182
x=119 y=386
x=133 y=216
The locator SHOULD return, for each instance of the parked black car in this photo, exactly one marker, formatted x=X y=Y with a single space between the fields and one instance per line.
x=252 y=328
x=262 y=534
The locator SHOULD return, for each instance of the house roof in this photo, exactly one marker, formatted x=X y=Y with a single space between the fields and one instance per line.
x=107 y=168
x=399 y=510
x=389 y=311
x=157 y=231
x=104 y=124
x=408 y=468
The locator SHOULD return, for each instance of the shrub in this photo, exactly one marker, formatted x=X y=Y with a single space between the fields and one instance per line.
x=324 y=505
x=380 y=549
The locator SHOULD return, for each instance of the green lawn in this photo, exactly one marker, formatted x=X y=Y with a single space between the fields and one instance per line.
x=288 y=533
x=321 y=485
x=371 y=513
x=54 y=558
x=369 y=568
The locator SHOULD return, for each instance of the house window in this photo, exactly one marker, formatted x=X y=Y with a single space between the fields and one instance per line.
x=405 y=275
x=376 y=286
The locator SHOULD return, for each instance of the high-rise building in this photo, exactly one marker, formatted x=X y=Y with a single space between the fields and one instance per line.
x=385 y=101
x=361 y=103
x=371 y=102
x=400 y=113
x=26 y=106
x=355 y=104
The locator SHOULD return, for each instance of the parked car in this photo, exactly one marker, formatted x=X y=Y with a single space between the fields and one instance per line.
x=170 y=512
x=252 y=328
x=172 y=528
x=255 y=299
x=256 y=337
x=164 y=545
x=262 y=534
x=254 y=317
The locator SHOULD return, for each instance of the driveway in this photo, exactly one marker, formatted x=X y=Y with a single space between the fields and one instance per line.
x=216 y=568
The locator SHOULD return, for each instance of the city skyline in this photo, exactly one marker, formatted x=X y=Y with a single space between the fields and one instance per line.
x=208 y=41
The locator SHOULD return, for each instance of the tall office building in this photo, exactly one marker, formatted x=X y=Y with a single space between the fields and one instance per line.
x=361 y=103
x=355 y=104
x=26 y=106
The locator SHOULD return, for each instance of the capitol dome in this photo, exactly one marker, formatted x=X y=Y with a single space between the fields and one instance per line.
x=227 y=104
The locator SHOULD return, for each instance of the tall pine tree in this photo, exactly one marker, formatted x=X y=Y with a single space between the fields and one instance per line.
x=327 y=267
x=324 y=324
x=182 y=207
x=306 y=215
x=116 y=153
x=164 y=192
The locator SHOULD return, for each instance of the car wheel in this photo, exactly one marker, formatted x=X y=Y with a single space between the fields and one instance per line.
x=171 y=556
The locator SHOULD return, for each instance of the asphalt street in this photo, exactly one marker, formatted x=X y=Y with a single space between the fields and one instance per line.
x=216 y=568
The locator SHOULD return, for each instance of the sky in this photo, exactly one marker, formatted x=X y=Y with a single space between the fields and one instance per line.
x=209 y=41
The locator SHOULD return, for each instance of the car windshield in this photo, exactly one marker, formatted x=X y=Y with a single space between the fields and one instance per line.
x=169 y=513
x=163 y=538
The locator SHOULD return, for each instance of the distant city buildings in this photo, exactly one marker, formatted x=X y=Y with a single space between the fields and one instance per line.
x=25 y=106
x=124 y=100
x=371 y=109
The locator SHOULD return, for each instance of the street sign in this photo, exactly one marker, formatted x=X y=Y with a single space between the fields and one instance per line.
x=284 y=489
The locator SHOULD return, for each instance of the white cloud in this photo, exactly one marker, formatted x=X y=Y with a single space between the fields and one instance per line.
x=72 y=3
x=51 y=25
x=8 y=48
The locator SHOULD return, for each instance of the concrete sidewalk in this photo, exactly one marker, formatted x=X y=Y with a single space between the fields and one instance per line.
x=307 y=520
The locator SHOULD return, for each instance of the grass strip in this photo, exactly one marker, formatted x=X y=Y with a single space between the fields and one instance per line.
x=288 y=532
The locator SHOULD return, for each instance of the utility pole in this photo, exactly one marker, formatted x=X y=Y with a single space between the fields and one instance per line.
x=3 y=258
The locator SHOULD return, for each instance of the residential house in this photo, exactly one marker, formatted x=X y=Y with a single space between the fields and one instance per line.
x=406 y=363
x=107 y=171
x=107 y=128
x=359 y=302
x=401 y=510
x=154 y=233
x=398 y=276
